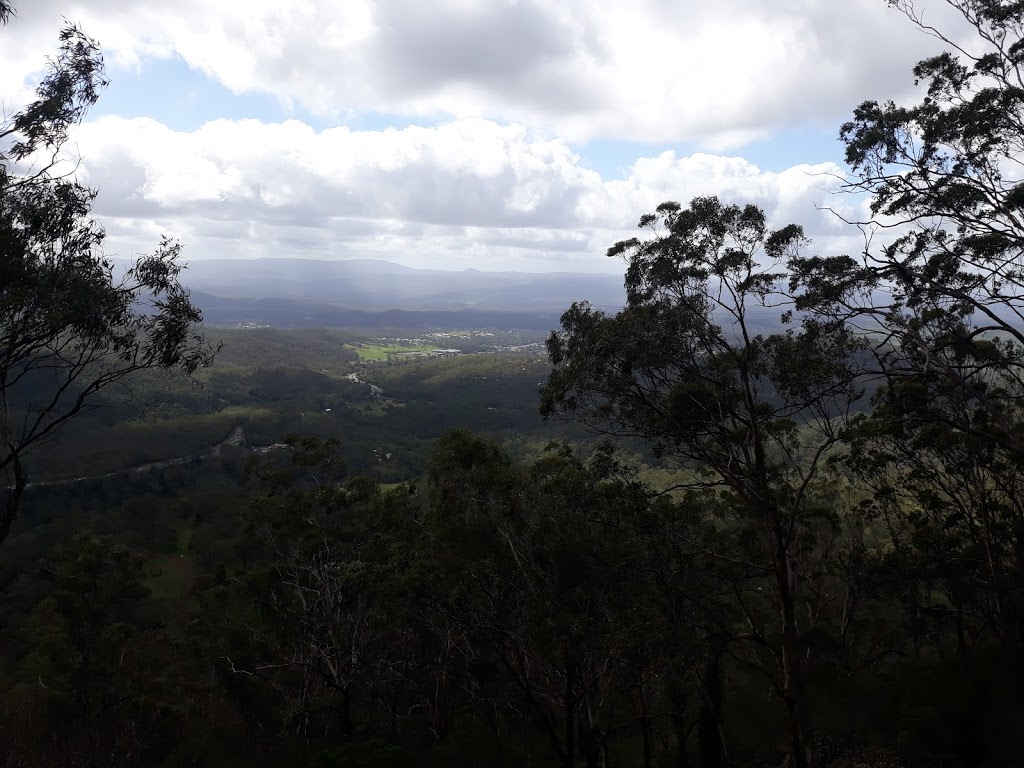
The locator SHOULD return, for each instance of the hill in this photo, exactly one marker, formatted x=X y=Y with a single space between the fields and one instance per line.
x=369 y=284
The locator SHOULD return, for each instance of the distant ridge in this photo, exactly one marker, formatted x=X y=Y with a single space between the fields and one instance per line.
x=293 y=313
x=369 y=284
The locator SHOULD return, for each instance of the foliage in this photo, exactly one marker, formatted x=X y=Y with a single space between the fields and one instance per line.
x=942 y=292
x=817 y=578
x=680 y=367
x=68 y=328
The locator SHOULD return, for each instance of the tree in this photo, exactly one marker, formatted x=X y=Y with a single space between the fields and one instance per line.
x=89 y=616
x=952 y=504
x=942 y=296
x=70 y=329
x=323 y=625
x=92 y=659
x=754 y=415
x=945 y=293
x=540 y=581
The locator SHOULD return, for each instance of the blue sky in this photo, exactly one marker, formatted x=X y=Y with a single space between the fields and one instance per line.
x=495 y=134
x=183 y=98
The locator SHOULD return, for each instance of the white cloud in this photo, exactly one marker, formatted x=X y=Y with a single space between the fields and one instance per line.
x=504 y=89
x=654 y=70
x=466 y=193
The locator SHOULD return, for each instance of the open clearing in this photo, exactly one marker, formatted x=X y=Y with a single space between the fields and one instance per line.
x=381 y=351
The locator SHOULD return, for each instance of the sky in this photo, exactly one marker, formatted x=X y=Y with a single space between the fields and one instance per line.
x=525 y=135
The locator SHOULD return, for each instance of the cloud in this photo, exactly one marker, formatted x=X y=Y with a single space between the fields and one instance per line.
x=718 y=74
x=465 y=193
x=501 y=93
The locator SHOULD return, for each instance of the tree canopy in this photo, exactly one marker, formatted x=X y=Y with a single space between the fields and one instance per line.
x=797 y=536
x=69 y=326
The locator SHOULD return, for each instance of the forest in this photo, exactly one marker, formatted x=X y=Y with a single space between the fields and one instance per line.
x=770 y=512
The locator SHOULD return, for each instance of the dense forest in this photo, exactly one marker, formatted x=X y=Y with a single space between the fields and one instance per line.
x=770 y=512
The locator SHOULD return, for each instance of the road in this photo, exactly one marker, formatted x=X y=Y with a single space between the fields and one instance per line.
x=235 y=439
x=375 y=391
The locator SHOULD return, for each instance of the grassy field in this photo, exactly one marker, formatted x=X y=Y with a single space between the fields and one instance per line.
x=381 y=351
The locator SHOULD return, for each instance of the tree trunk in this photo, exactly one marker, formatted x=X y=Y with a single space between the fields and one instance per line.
x=645 y=727
x=710 y=724
x=801 y=754
x=590 y=743
x=12 y=498
x=346 y=713
x=679 y=724
x=961 y=633
x=570 y=716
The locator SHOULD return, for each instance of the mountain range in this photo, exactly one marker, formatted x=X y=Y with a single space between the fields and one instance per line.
x=368 y=284
x=373 y=294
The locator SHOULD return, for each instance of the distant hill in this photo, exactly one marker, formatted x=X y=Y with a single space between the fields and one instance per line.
x=369 y=284
x=380 y=295
x=297 y=313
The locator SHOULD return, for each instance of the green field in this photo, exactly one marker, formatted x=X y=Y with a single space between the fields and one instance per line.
x=382 y=351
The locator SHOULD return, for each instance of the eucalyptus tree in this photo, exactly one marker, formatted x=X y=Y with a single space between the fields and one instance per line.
x=70 y=328
x=534 y=583
x=953 y=503
x=939 y=288
x=752 y=414
x=940 y=283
